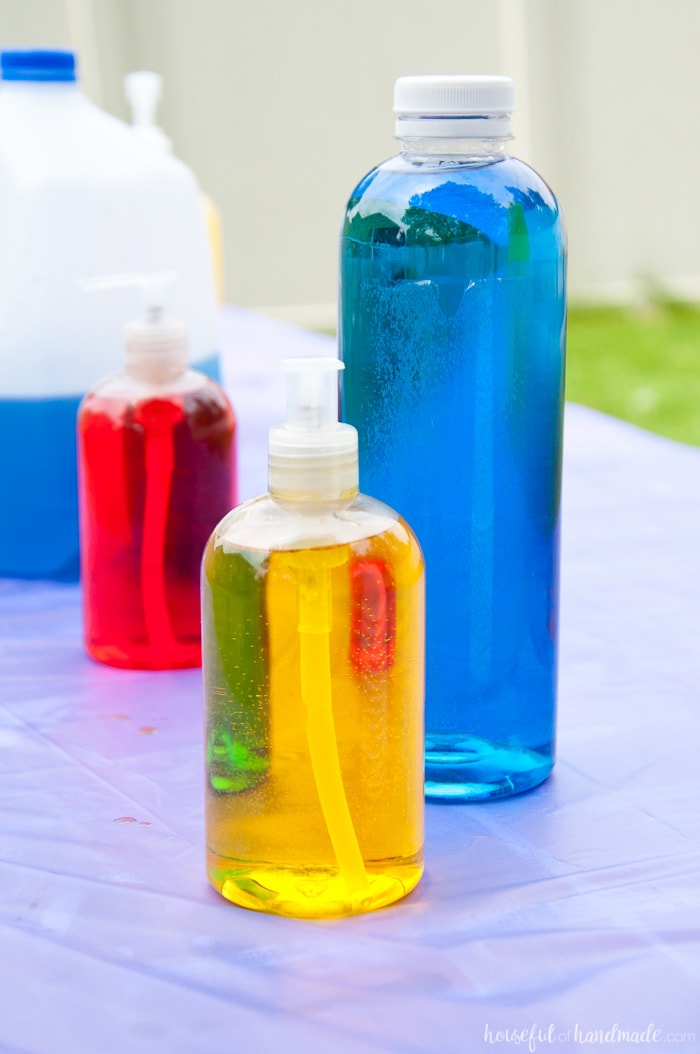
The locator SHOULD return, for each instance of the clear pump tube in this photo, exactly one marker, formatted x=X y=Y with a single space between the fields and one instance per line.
x=314 y=626
x=313 y=441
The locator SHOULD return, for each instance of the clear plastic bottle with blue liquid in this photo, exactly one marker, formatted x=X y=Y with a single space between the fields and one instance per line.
x=452 y=329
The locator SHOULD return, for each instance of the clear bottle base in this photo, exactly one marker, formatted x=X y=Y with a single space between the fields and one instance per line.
x=463 y=769
x=311 y=893
x=184 y=657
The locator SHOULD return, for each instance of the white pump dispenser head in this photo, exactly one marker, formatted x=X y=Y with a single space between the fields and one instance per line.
x=313 y=457
x=156 y=345
x=143 y=89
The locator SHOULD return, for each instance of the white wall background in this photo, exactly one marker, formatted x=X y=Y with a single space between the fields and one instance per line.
x=280 y=106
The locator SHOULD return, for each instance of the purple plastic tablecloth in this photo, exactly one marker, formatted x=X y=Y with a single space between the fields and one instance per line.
x=565 y=919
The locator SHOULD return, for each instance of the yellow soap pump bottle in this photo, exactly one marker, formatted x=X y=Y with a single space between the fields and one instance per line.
x=313 y=643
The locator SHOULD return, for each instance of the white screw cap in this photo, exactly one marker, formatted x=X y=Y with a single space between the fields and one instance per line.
x=474 y=105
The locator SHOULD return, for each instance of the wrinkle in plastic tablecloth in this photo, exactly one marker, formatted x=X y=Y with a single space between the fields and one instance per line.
x=563 y=919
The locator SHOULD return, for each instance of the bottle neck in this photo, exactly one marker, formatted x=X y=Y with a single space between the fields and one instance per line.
x=481 y=150
x=300 y=474
x=41 y=97
x=314 y=507
x=482 y=137
x=155 y=353
x=17 y=87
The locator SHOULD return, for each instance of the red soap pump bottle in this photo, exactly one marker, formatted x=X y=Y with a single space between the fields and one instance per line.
x=157 y=471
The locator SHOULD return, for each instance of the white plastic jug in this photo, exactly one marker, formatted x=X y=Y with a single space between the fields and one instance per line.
x=79 y=196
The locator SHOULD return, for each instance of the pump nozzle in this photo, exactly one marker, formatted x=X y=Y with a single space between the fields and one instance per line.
x=152 y=283
x=313 y=457
x=156 y=344
x=312 y=393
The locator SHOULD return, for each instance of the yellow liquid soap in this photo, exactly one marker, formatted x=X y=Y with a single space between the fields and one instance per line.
x=314 y=671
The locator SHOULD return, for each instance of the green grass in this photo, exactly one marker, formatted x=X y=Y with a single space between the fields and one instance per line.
x=642 y=365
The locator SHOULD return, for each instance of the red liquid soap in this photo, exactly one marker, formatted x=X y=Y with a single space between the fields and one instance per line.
x=156 y=475
x=156 y=472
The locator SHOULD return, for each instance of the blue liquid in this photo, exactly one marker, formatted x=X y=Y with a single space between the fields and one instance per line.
x=39 y=489
x=39 y=486
x=452 y=332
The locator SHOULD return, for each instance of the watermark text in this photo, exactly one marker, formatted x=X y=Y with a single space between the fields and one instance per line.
x=538 y=1036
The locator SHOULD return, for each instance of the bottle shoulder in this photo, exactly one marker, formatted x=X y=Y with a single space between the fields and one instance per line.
x=127 y=388
x=404 y=191
x=192 y=391
x=266 y=524
x=72 y=137
x=437 y=168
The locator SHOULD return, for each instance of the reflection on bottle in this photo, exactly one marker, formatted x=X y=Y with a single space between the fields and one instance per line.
x=373 y=631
